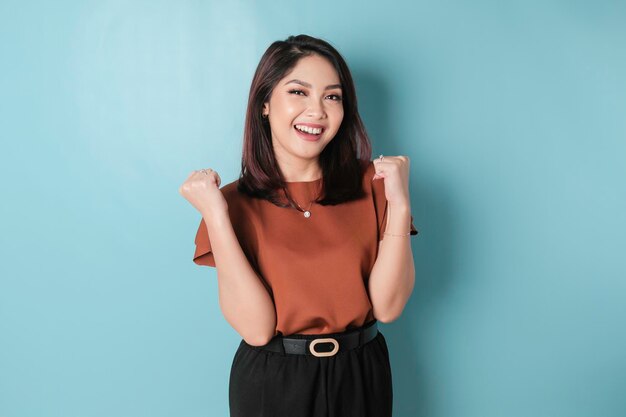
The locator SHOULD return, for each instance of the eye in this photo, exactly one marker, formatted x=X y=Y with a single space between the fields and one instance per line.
x=338 y=97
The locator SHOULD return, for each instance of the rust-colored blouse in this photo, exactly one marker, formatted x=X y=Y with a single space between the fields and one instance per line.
x=316 y=269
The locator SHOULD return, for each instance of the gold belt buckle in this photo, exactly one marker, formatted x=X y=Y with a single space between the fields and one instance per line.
x=322 y=354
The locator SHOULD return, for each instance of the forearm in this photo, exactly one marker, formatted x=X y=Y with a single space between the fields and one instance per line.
x=244 y=300
x=393 y=275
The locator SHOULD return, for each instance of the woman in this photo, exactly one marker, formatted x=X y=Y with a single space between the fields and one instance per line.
x=304 y=273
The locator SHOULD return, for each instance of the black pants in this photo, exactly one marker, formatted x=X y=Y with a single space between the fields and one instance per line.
x=352 y=383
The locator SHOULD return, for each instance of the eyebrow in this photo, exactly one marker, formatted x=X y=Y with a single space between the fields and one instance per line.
x=328 y=87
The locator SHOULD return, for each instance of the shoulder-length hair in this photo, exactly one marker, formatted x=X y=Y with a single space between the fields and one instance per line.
x=344 y=159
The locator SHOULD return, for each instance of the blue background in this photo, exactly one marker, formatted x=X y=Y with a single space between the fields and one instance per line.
x=512 y=114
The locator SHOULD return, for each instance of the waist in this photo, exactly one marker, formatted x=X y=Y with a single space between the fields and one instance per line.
x=322 y=345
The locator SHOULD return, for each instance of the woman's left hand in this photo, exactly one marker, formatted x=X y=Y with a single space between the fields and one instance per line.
x=394 y=170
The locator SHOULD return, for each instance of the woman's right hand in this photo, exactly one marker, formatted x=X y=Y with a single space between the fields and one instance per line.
x=202 y=191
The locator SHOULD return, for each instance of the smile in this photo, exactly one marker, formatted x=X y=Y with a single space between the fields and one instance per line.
x=309 y=129
x=308 y=133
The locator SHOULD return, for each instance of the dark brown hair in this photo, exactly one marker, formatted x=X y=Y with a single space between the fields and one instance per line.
x=344 y=159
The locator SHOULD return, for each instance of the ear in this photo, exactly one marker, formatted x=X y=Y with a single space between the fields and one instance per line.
x=266 y=108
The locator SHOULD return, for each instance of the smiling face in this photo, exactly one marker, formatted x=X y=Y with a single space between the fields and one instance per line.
x=309 y=95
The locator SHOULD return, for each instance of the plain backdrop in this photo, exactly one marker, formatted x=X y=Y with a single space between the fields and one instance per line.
x=512 y=114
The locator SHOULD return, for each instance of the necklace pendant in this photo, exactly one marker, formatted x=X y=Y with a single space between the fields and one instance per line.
x=307 y=214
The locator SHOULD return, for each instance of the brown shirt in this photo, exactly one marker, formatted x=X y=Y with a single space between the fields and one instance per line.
x=316 y=269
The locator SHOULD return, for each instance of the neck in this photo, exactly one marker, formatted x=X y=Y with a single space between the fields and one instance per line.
x=295 y=171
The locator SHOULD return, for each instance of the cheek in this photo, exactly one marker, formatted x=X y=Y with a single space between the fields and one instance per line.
x=290 y=105
x=289 y=112
x=338 y=118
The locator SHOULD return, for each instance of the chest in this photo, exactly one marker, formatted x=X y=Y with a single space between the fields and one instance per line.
x=290 y=243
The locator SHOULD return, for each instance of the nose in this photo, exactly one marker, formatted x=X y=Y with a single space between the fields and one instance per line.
x=315 y=109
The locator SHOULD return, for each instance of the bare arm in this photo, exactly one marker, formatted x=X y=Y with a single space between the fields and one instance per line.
x=243 y=298
x=393 y=275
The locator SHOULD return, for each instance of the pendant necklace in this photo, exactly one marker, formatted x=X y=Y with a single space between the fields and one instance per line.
x=307 y=212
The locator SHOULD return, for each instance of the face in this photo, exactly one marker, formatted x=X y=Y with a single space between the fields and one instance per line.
x=308 y=101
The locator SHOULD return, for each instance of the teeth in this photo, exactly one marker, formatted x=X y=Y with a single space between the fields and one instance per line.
x=309 y=129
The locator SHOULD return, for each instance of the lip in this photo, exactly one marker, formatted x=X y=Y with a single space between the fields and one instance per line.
x=313 y=125
x=305 y=136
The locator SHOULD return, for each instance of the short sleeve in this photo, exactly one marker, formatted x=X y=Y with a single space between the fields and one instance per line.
x=380 y=205
x=203 y=254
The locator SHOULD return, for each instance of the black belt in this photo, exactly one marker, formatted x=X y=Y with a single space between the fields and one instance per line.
x=308 y=344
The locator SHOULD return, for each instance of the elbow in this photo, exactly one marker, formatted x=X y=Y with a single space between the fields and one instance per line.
x=252 y=333
x=388 y=307
x=257 y=340
x=390 y=314
x=388 y=318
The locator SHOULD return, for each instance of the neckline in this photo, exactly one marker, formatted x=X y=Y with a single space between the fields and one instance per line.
x=303 y=182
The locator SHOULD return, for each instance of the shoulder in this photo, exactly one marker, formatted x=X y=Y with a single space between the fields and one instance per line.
x=370 y=171
x=230 y=190
x=233 y=196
